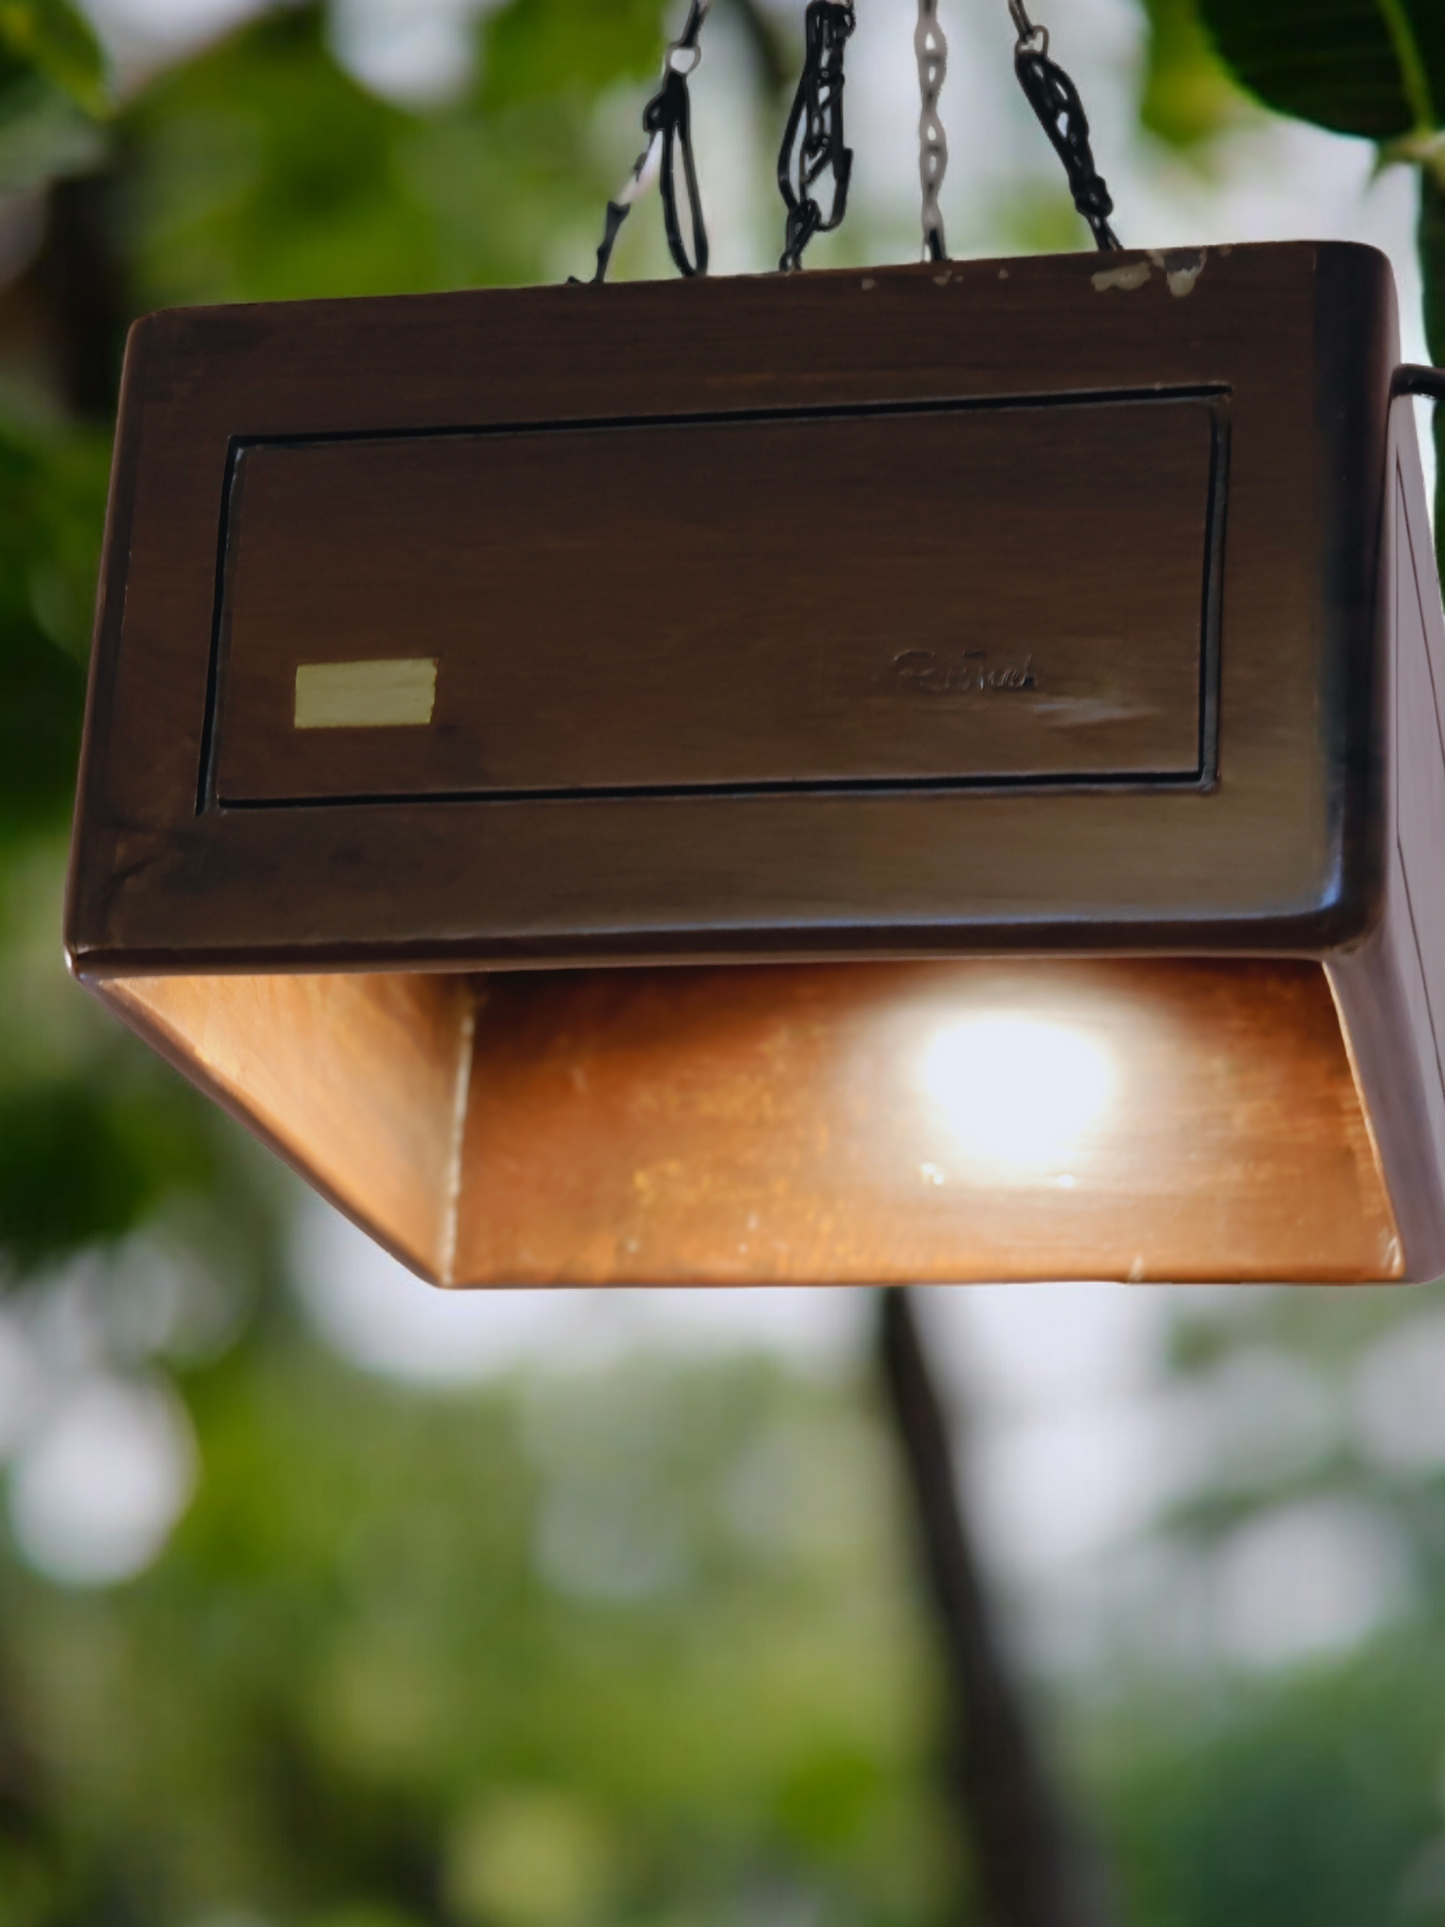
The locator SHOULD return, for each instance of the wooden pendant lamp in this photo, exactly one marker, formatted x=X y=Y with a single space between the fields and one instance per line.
x=933 y=773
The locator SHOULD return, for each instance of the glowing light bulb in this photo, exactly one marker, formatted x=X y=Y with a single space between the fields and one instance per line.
x=1019 y=1094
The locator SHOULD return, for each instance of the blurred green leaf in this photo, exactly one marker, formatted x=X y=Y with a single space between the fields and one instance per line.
x=42 y=693
x=1042 y=214
x=1305 y=1802
x=55 y=38
x=44 y=135
x=52 y=492
x=53 y=87
x=533 y=1858
x=1187 y=97
x=1371 y=68
x=82 y=1162
x=538 y=47
x=262 y=171
x=366 y=1698
x=1374 y=68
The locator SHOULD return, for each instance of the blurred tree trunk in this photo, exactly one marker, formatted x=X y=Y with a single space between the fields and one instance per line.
x=81 y=280
x=1032 y=1866
x=25 y=1798
x=768 y=44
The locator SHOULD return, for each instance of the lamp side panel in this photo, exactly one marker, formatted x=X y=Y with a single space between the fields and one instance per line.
x=93 y=852
x=351 y=1079
x=1391 y=990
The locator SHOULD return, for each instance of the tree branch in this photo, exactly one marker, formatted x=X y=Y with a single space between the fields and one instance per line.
x=81 y=277
x=1033 y=1868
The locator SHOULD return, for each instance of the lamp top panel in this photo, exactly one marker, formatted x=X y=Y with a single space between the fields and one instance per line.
x=976 y=606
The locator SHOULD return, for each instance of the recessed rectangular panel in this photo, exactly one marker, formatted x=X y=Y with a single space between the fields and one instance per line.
x=947 y=595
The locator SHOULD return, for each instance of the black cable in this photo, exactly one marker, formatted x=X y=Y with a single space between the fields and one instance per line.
x=1411 y=379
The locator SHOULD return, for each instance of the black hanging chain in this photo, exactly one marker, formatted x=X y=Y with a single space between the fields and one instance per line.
x=667 y=123
x=1055 y=99
x=813 y=142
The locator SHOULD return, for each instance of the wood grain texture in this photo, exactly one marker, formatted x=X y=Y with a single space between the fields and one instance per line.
x=820 y=599
x=354 y=1080
x=1281 y=853
x=799 y=1125
x=749 y=1126
x=758 y=1121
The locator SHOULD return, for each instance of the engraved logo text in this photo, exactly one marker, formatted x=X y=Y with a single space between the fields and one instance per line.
x=961 y=672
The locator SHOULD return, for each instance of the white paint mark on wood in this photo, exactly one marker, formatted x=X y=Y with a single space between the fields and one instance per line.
x=1128 y=278
x=1181 y=280
x=393 y=693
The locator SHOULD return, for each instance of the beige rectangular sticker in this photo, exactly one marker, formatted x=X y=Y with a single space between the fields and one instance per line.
x=394 y=693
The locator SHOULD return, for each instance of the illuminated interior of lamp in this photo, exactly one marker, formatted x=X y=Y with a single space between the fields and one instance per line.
x=984 y=1119
x=1022 y=1096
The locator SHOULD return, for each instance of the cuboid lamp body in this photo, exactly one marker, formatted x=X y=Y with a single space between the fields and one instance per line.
x=927 y=774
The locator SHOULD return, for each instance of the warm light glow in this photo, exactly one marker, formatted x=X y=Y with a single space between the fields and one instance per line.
x=1021 y=1095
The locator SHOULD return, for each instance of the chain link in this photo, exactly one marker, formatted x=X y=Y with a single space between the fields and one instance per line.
x=1028 y=33
x=813 y=143
x=814 y=146
x=1055 y=100
x=931 y=47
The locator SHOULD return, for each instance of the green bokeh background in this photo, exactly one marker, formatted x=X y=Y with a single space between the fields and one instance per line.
x=361 y=1686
